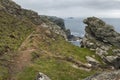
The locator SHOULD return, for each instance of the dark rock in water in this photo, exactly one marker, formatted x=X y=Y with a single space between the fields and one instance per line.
x=115 y=75
x=42 y=76
x=98 y=30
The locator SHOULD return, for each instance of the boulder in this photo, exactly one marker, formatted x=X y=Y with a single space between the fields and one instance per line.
x=42 y=76
x=92 y=61
x=101 y=52
x=113 y=75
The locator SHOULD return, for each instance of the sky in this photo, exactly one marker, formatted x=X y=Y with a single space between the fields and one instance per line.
x=74 y=8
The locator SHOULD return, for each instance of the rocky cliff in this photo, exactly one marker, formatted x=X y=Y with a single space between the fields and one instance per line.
x=105 y=41
x=98 y=30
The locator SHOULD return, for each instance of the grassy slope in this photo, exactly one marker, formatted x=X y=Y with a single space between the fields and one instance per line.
x=56 y=69
x=13 y=31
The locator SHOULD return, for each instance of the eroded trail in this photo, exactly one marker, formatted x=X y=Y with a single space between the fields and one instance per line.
x=23 y=57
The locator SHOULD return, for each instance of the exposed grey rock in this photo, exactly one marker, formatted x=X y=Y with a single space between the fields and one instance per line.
x=101 y=52
x=42 y=76
x=116 y=52
x=92 y=61
x=115 y=75
x=98 y=31
x=110 y=58
x=56 y=20
x=102 y=38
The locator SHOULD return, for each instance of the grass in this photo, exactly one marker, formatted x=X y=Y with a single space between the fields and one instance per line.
x=55 y=69
x=13 y=31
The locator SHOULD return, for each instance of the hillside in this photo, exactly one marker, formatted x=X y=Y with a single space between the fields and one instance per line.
x=30 y=44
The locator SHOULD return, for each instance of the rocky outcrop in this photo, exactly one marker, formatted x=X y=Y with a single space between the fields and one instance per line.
x=59 y=22
x=98 y=32
x=56 y=20
x=115 y=75
x=103 y=39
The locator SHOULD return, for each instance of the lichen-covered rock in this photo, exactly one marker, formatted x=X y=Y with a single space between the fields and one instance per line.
x=102 y=38
x=115 y=75
x=42 y=76
x=99 y=32
x=56 y=20
x=92 y=61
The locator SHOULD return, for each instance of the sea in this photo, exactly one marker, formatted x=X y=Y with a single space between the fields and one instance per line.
x=77 y=27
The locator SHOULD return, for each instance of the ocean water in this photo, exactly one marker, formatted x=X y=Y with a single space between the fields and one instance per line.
x=77 y=26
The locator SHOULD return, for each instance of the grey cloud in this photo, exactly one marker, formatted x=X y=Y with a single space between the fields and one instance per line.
x=73 y=7
x=59 y=4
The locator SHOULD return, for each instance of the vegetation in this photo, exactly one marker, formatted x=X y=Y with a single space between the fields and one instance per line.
x=49 y=51
x=44 y=60
x=13 y=31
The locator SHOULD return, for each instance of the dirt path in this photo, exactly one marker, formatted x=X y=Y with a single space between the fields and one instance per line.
x=23 y=58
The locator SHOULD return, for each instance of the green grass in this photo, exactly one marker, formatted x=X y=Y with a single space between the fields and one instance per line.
x=64 y=48
x=13 y=31
x=55 y=69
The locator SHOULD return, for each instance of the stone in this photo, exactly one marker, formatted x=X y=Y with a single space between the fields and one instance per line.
x=97 y=31
x=113 y=75
x=110 y=58
x=102 y=38
x=42 y=76
x=92 y=61
x=101 y=52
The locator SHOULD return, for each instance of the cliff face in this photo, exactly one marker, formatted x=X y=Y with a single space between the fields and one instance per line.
x=98 y=30
x=105 y=41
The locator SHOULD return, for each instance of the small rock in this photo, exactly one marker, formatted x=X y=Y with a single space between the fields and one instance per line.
x=42 y=76
x=92 y=61
x=101 y=52
x=111 y=58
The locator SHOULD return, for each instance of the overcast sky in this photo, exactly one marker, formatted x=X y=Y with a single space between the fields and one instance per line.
x=74 y=8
